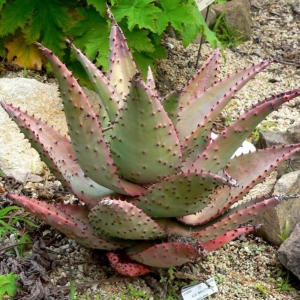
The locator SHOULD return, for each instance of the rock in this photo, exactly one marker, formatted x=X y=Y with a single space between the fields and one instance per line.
x=293 y=133
x=289 y=252
x=269 y=138
x=17 y=158
x=237 y=15
x=291 y=136
x=274 y=219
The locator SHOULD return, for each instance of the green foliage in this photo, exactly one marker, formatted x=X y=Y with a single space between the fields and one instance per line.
x=261 y=289
x=286 y=231
x=72 y=290
x=139 y=13
x=45 y=21
x=25 y=238
x=88 y=37
x=175 y=14
x=8 y=285
x=265 y=125
x=190 y=31
x=227 y=36
x=282 y=281
x=136 y=294
x=7 y=220
x=51 y=21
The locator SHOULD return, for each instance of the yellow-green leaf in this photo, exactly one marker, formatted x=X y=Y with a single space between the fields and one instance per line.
x=26 y=56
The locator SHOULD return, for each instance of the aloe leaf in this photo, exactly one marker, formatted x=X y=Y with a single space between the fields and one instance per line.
x=202 y=111
x=252 y=168
x=127 y=267
x=220 y=150
x=227 y=237
x=85 y=132
x=202 y=80
x=151 y=82
x=171 y=105
x=60 y=217
x=165 y=255
x=144 y=143
x=118 y=218
x=121 y=64
x=57 y=152
x=196 y=142
x=179 y=195
x=249 y=169
x=236 y=217
x=108 y=94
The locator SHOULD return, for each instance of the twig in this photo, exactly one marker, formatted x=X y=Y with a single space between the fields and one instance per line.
x=287 y=62
x=15 y=245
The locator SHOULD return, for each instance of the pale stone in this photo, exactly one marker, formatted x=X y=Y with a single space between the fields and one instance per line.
x=17 y=158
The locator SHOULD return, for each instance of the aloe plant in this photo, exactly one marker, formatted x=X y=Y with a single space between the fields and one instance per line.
x=157 y=184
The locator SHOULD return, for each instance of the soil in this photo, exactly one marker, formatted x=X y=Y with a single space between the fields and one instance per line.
x=246 y=268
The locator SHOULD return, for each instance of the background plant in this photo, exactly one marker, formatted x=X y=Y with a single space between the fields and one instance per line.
x=286 y=231
x=227 y=36
x=282 y=281
x=23 y=22
x=9 y=217
x=8 y=285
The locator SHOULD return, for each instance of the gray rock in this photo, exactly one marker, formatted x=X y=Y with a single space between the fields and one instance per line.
x=289 y=252
x=238 y=17
x=269 y=138
x=291 y=136
x=17 y=158
x=274 y=219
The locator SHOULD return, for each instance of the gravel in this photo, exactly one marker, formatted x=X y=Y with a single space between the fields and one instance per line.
x=246 y=268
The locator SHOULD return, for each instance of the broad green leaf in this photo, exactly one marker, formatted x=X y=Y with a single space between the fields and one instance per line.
x=175 y=14
x=139 y=12
x=8 y=284
x=1 y=3
x=15 y=15
x=48 y=22
x=143 y=61
x=137 y=39
x=92 y=35
x=160 y=51
x=191 y=31
x=100 y=6
x=39 y=20
x=22 y=54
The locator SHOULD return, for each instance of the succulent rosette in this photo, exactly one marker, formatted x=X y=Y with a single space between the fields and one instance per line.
x=156 y=184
